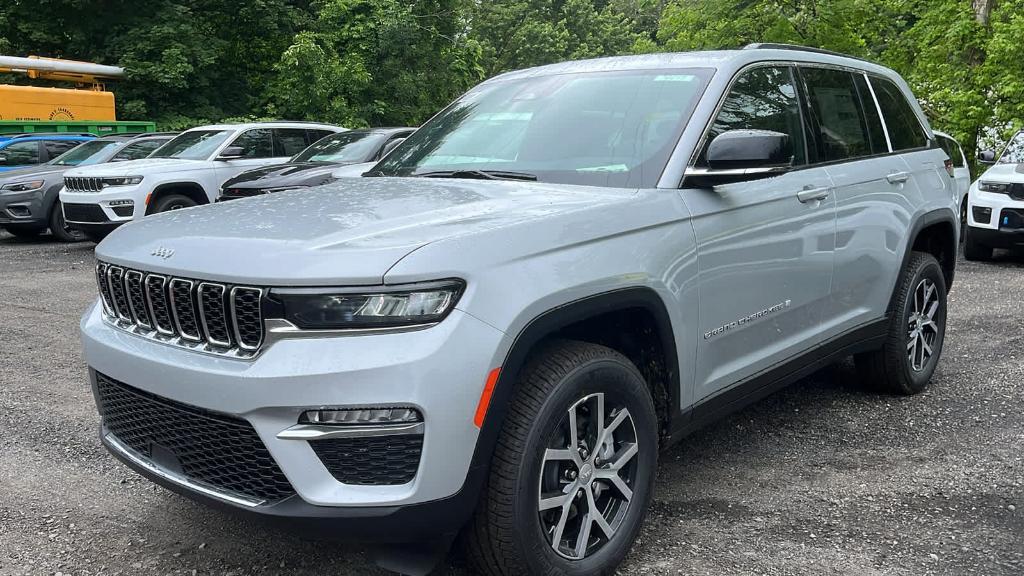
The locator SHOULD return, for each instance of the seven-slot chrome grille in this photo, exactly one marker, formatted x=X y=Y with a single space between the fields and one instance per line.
x=79 y=184
x=206 y=316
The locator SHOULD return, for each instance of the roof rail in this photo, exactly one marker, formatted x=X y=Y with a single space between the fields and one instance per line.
x=799 y=48
x=28 y=134
x=134 y=135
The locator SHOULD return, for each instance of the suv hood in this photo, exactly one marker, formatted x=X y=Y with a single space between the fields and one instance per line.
x=26 y=173
x=1009 y=173
x=289 y=174
x=141 y=167
x=349 y=232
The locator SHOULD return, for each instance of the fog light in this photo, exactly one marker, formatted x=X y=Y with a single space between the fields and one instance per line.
x=363 y=416
x=982 y=215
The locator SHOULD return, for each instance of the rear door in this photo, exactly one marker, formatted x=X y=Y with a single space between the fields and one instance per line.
x=764 y=247
x=257 y=147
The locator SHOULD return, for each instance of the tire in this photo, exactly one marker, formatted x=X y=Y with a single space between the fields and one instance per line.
x=891 y=369
x=963 y=219
x=24 y=233
x=974 y=250
x=509 y=535
x=172 y=202
x=60 y=229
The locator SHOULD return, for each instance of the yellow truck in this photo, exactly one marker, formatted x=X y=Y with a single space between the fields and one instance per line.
x=87 y=108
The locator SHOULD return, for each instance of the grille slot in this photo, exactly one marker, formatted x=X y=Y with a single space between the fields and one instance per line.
x=137 y=299
x=371 y=461
x=104 y=288
x=212 y=449
x=118 y=295
x=211 y=314
x=203 y=316
x=245 y=309
x=183 y=309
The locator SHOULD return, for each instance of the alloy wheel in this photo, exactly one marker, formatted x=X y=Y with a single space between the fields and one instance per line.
x=923 y=327
x=587 y=477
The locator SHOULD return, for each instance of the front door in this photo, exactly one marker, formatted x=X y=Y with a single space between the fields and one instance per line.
x=764 y=247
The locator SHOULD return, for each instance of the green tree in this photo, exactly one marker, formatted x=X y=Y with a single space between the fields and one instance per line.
x=376 y=62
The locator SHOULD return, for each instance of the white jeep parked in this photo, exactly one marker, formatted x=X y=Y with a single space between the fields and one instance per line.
x=187 y=171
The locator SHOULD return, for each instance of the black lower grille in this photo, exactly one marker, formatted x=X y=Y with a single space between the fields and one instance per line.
x=216 y=450
x=371 y=461
x=84 y=213
x=1012 y=219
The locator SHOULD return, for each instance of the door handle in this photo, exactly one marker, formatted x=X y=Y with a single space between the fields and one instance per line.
x=898 y=177
x=812 y=194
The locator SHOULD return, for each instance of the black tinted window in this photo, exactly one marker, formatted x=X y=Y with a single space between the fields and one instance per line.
x=315 y=135
x=20 y=153
x=905 y=130
x=842 y=128
x=256 y=143
x=291 y=141
x=55 y=148
x=137 y=150
x=879 y=145
x=763 y=99
x=952 y=148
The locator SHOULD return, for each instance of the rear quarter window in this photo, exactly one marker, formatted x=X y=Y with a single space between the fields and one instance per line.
x=905 y=129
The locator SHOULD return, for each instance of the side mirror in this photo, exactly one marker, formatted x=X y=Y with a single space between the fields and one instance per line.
x=987 y=157
x=391 y=146
x=232 y=153
x=742 y=155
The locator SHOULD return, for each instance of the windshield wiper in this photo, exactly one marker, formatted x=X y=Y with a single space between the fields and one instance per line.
x=478 y=174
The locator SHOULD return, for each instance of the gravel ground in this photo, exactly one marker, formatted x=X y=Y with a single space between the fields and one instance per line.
x=822 y=478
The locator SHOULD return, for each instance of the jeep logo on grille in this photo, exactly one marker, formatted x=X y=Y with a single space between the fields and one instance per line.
x=162 y=252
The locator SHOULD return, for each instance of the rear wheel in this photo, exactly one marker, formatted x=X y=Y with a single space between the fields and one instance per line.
x=24 y=231
x=60 y=229
x=572 y=474
x=917 y=329
x=173 y=202
x=974 y=250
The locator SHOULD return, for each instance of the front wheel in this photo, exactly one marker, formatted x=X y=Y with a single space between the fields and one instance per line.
x=173 y=202
x=59 y=227
x=573 y=471
x=917 y=329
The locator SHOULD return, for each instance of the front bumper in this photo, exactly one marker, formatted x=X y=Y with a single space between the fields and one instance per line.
x=24 y=208
x=1004 y=225
x=441 y=371
x=99 y=208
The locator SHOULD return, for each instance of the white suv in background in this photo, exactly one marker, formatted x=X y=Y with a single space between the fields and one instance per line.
x=187 y=171
x=995 y=212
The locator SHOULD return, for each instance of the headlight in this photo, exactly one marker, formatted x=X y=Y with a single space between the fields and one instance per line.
x=23 y=186
x=997 y=187
x=122 y=181
x=353 y=308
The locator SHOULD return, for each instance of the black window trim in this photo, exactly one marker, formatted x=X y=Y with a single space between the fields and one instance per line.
x=693 y=169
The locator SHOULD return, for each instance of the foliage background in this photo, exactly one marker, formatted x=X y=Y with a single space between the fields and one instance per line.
x=395 y=62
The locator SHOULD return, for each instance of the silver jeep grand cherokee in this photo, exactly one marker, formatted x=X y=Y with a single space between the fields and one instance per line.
x=495 y=331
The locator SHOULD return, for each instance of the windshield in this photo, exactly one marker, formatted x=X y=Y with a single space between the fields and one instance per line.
x=346 y=147
x=1014 y=153
x=91 y=152
x=192 y=145
x=600 y=128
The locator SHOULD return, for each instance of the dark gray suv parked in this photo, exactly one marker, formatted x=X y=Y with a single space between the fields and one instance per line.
x=29 y=197
x=497 y=328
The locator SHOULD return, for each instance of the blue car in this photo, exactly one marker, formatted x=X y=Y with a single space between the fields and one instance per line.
x=24 y=150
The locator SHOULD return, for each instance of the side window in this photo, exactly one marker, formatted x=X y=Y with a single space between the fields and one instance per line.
x=763 y=99
x=290 y=141
x=957 y=154
x=315 y=135
x=20 y=153
x=256 y=143
x=905 y=130
x=55 y=148
x=842 y=127
x=879 y=145
x=137 y=150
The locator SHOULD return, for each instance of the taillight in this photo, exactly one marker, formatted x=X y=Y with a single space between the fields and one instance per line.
x=950 y=169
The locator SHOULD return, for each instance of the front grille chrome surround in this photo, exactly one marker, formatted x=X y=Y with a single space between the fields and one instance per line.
x=207 y=317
